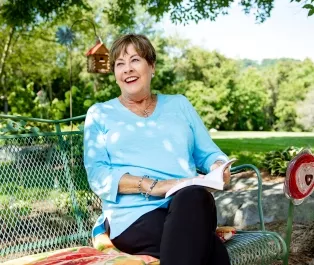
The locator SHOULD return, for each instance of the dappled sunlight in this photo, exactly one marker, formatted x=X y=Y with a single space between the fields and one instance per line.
x=167 y=145
x=102 y=119
x=152 y=123
x=185 y=166
x=87 y=134
x=88 y=121
x=114 y=137
x=140 y=124
x=91 y=153
x=101 y=141
x=130 y=127
x=107 y=106
x=226 y=201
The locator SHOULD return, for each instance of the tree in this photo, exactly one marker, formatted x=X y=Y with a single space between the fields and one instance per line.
x=287 y=83
x=207 y=79
x=20 y=15
x=305 y=114
x=180 y=11
x=249 y=100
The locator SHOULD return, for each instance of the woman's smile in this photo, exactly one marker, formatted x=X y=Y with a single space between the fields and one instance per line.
x=131 y=79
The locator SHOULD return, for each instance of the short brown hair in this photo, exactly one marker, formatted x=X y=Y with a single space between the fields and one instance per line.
x=141 y=44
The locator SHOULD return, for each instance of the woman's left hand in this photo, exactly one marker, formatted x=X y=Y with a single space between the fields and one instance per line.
x=227 y=173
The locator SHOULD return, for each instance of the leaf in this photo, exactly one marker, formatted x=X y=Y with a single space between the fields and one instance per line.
x=22 y=123
x=11 y=127
x=35 y=130
x=81 y=127
x=311 y=12
x=308 y=6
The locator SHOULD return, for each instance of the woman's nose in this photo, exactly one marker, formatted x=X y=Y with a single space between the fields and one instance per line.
x=127 y=68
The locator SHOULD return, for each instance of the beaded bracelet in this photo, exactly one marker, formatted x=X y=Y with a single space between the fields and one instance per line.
x=150 y=189
x=140 y=184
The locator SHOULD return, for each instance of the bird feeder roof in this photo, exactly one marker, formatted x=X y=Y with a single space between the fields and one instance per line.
x=99 y=48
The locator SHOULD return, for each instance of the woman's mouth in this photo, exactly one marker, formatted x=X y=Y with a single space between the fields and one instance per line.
x=131 y=79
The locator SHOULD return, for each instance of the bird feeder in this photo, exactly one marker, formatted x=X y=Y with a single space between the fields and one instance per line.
x=98 y=59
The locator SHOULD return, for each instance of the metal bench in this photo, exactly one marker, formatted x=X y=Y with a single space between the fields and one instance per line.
x=46 y=203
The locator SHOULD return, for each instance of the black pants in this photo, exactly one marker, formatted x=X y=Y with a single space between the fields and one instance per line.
x=183 y=234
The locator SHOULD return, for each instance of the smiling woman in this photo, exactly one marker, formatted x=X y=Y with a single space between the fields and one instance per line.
x=136 y=148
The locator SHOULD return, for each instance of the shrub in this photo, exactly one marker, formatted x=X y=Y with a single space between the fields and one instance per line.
x=276 y=162
x=64 y=203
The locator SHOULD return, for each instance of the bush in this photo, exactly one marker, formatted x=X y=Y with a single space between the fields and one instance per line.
x=276 y=162
x=64 y=203
x=11 y=213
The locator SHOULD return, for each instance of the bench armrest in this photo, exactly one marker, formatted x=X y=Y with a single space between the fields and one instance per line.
x=245 y=167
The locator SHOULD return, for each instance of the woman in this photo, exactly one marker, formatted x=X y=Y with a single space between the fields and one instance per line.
x=137 y=147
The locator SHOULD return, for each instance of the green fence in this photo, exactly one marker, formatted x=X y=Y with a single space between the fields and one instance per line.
x=45 y=200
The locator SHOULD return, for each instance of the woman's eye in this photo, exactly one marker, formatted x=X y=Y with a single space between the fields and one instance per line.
x=118 y=64
x=135 y=60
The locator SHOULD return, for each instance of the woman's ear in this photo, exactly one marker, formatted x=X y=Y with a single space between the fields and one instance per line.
x=153 y=70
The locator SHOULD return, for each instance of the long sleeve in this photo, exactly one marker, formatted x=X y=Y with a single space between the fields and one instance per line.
x=205 y=152
x=102 y=178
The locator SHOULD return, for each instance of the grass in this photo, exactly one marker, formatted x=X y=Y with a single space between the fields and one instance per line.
x=250 y=147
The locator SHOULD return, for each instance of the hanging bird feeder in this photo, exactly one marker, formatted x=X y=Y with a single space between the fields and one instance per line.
x=98 y=59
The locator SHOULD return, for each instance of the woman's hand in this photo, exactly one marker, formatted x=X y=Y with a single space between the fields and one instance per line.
x=227 y=173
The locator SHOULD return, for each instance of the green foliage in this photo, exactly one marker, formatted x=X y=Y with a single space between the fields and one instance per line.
x=249 y=99
x=276 y=162
x=27 y=194
x=21 y=12
x=9 y=126
x=310 y=8
x=64 y=202
x=287 y=83
x=182 y=11
x=228 y=94
x=305 y=114
x=10 y=213
x=210 y=75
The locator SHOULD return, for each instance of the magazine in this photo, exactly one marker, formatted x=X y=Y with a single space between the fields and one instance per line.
x=213 y=179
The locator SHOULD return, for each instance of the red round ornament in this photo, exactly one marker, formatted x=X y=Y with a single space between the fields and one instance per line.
x=299 y=182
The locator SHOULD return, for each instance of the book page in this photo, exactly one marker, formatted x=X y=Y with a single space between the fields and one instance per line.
x=213 y=179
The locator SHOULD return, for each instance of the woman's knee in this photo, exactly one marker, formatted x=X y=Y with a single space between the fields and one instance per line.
x=194 y=194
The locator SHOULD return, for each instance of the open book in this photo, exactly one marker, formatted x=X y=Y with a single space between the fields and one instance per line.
x=213 y=179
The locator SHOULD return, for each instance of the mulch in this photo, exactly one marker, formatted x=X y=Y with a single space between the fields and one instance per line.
x=302 y=238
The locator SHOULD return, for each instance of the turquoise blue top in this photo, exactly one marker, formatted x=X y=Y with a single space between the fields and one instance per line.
x=171 y=143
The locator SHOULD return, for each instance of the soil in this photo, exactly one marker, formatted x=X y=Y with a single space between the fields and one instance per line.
x=302 y=238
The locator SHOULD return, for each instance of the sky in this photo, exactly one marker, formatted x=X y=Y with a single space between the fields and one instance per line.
x=288 y=33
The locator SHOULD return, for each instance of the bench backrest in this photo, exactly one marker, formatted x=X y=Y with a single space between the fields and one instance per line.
x=45 y=200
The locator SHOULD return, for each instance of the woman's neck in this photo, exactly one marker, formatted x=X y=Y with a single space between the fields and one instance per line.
x=137 y=100
x=141 y=106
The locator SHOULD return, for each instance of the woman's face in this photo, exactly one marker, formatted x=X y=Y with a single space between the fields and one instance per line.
x=133 y=73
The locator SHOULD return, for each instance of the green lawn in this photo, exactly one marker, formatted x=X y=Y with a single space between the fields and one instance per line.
x=249 y=147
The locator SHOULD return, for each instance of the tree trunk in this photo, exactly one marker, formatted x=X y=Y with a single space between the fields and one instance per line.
x=4 y=56
x=5 y=51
